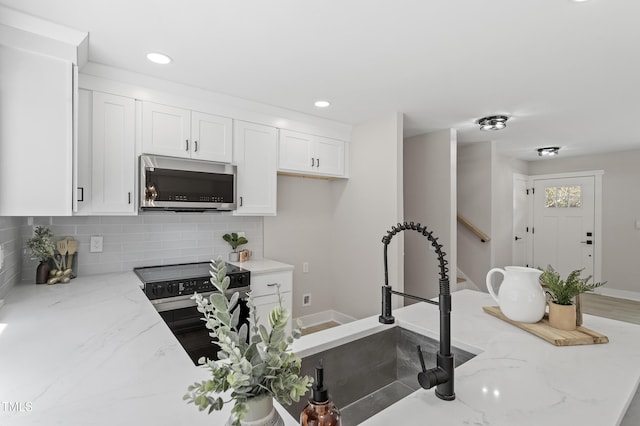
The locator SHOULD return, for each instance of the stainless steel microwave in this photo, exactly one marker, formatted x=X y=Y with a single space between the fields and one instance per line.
x=177 y=184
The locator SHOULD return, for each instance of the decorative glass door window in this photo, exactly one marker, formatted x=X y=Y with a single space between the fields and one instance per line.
x=563 y=196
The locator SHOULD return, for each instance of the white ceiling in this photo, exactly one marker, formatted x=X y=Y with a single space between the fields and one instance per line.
x=568 y=74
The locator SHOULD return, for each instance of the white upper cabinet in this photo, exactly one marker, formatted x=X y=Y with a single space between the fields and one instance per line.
x=255 y=153
x=178 y=132
x=212 y=138
x=300 y=153
x=36 y=134
x=106 y=140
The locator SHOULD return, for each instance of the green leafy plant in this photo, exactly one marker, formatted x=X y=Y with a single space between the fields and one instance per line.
x=563 y=292
x=234 y=241
x=253 y=361
x=41 y=244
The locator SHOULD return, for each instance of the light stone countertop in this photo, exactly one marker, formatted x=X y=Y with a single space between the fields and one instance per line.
x=95 y=352
x=263 y=266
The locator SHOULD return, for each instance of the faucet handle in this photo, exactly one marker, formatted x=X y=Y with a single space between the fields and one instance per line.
x=430 y=378
x=424 y=368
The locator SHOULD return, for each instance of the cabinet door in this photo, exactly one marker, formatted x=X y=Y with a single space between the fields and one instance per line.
x=255 y=148
x=36 y=134
x=295 y=152
x=329 y=154
x=165 y=130
x=211 y=137
x=113 y=154
x=265 y=304
x=83 y=158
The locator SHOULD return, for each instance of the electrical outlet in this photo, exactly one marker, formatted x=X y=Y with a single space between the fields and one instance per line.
x=96 y=244
x=305 y=267
x=306 y=299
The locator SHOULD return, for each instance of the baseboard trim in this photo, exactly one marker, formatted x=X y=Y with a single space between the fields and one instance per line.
x=324 y=316
x=620 y=294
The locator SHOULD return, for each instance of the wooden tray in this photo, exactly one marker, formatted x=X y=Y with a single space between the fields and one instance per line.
x=542 y=329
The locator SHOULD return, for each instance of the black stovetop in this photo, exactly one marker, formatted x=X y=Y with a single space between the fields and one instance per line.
x=181 y=271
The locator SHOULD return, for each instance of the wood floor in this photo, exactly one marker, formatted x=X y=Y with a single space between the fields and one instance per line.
x=611 y=307
x=319 y=327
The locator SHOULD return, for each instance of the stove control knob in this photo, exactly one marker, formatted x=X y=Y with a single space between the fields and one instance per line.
x=172 y=288
x=157 y=290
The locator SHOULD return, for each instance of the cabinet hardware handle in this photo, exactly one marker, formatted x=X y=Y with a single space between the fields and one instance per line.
x=272 y=285
x=196 y=145
x=317 y=162
x=240 y=201
x=313 y=162
x=186 y=146
x=81 y=190
x=129 y=195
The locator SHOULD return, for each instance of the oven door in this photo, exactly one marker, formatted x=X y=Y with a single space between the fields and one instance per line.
x=190 y=330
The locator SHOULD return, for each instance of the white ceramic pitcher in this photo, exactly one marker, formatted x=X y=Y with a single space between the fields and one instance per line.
x=520 y=296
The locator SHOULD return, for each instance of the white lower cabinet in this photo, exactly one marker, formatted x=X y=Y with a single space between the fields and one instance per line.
x=106 y=154
x=265 y=294
x=255 y=154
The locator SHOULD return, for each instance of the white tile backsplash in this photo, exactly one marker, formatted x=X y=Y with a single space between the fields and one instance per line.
x=11 y=242
x=149 y=239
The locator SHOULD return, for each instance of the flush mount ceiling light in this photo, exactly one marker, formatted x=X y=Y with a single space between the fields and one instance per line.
x=322 y=104
x=494 y=122
x=548 y=151
x=159 y=58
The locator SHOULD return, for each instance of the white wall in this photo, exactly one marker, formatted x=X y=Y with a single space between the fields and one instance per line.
x=430 y=198
x=301 y=232
x=502 y=171
x=11 y=243
x=621 y=209
x=475 y=204
x=365 y=206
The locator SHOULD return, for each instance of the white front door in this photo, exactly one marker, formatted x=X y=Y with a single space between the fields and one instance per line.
x=564 y=224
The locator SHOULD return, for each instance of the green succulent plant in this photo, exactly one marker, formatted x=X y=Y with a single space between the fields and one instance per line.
x=253 y=361
x=234 y=241
x=41 y=244
x=563 y=292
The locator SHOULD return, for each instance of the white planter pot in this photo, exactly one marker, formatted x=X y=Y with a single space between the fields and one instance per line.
x=261 y=413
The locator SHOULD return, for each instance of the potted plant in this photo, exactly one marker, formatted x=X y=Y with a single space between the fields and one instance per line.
x=42 y=246
x=255 y=364
x=562 y=310
x=234 y=241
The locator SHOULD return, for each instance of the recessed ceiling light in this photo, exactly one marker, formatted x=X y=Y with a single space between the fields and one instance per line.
x=548 y=151
x=159 y=58
x=322 y=104
x=493 y=122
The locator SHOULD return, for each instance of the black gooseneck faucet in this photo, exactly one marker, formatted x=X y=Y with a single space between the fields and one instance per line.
x=442 y=375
